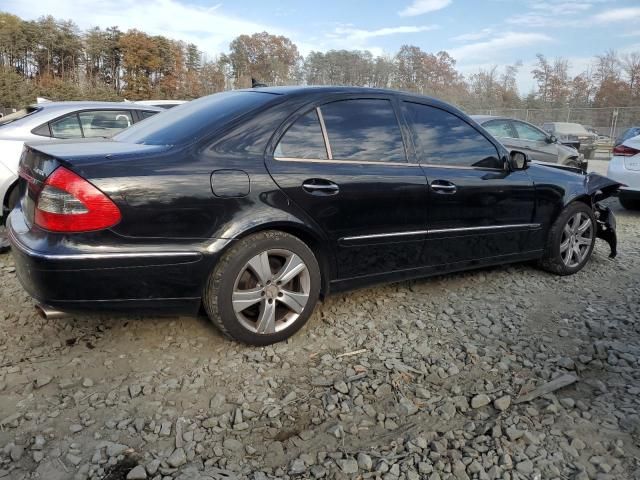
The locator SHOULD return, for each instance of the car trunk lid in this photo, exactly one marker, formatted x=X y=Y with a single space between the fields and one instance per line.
x=39 y=160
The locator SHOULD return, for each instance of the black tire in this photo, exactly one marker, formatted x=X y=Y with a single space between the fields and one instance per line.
x=629 y=202
x=552 y=260
x=12 y=200
x=218 y=293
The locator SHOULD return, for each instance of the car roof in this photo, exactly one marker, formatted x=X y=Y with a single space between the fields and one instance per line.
x=71 y=105
x=319 y=90
x=486 y=118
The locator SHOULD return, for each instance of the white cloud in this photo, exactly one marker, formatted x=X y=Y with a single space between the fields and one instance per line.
x=420 y=7
x=470 y=37
x=207 y=27
x=350 y=33
x=617 y=15
x=506 y=41
x=562 y=8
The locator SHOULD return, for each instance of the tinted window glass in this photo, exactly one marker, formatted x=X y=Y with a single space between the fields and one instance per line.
x=446 y=139
x=527 y=132
x=303 y=139
x=364 y=130
x=66 y=127
x=42 y=130
x=147 y=113
x=104 y=123
x=498 y=128
x=192 y=120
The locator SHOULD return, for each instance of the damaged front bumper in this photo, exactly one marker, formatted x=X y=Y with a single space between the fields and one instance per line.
x=606 y=221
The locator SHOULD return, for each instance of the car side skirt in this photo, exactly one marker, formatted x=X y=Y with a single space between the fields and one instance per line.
x=424 y=272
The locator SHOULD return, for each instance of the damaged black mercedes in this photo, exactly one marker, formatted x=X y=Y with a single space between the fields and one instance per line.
x=253 y=204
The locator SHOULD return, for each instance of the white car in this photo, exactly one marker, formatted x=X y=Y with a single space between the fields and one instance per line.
x=49 y=121
x=166 y=104
x=624 y=167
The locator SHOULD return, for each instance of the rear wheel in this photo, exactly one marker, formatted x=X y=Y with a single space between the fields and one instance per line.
x=264 y=289
x=571 y=240
x=630 y=202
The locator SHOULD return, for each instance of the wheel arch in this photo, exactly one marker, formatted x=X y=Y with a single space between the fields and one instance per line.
x=318 y=245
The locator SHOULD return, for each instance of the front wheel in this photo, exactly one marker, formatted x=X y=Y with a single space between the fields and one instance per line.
x=264 y=289
x=571 y=240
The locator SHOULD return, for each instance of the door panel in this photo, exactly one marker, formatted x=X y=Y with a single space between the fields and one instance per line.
x=477 y=208
x=344 y=164
x=489 y=214
x=535 y=142
x=372 y=199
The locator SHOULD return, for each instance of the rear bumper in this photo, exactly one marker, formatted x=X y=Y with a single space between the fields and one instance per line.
x=145 y=278
x=618 y=172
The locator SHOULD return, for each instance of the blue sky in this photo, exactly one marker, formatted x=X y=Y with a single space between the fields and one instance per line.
x=478 y=34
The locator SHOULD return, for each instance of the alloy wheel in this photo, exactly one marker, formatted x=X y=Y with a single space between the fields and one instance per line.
x=577 y=238
x=271 y=291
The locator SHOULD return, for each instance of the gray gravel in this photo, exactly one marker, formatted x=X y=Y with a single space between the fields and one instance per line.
x=417 y=380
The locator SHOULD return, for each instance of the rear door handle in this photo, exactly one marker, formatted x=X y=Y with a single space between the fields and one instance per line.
x=320 y=186
x=443 y=186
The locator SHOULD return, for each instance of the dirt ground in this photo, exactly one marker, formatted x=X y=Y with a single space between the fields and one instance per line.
x=412 y=380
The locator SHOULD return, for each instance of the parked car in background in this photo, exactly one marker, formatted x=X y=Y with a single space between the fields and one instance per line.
x=600 y=137
x=624 y=167
x=253 y=203
x=627 y=134
x=574 y=135
x=165 y=104
x=538 y=145
x=46 y=121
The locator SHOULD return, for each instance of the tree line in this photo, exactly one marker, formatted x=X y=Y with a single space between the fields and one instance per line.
x=55 y=59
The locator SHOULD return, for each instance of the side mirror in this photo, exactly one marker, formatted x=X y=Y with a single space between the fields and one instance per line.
x=552 y=139
x=518 y=160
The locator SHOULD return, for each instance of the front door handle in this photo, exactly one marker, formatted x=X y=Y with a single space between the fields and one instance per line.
x=320 y=186
x=443 y=186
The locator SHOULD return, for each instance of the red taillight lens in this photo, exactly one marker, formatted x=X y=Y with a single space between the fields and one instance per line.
x=69 y=203
x=624 y=151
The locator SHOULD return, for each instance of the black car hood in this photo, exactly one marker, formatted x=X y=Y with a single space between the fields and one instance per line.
x=596 y=185
x=601 y=187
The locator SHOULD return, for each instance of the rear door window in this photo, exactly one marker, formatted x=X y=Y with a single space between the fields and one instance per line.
x=363 y=130
x=104 y=123
x=66 y=127
x=447 y=140
x=303 y=139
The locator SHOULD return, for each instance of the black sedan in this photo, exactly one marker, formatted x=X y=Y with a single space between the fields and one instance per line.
x=255 y=203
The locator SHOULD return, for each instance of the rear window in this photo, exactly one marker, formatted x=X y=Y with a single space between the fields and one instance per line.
x=12 y=117
x=192 y=120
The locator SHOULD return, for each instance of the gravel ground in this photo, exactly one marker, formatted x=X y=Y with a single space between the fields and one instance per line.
x=417 y=380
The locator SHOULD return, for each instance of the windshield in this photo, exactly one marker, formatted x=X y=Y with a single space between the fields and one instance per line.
x=12 y=117
x=189 y=121
x=570 y=128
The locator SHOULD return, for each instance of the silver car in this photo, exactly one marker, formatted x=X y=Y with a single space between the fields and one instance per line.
x=58 y=120
x=539 y=146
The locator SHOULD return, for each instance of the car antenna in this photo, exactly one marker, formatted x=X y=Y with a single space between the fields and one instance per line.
x=257 y=84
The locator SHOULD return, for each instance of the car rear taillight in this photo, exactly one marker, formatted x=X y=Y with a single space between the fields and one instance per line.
x=69 y=203
x=624 y=151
